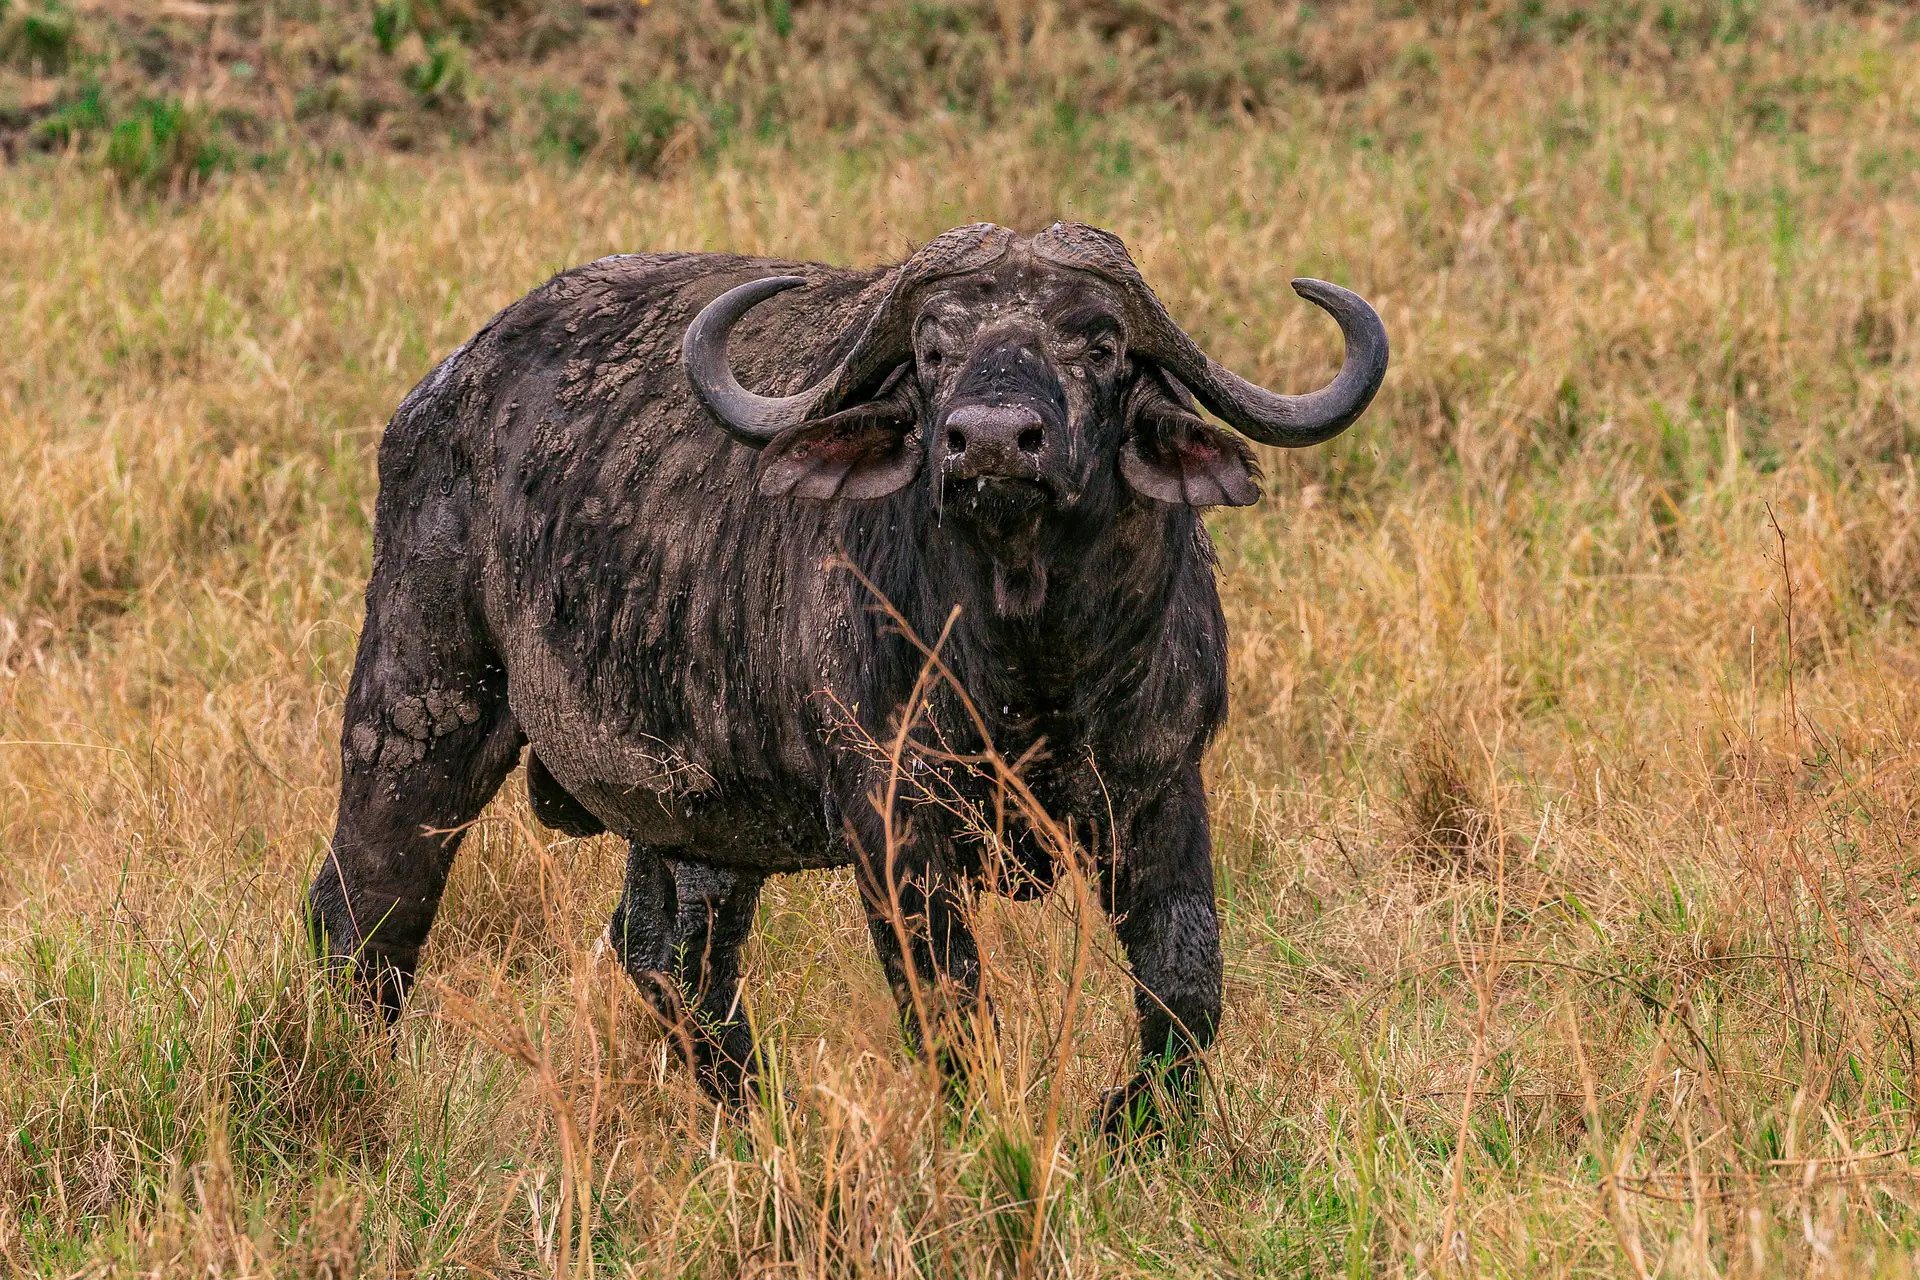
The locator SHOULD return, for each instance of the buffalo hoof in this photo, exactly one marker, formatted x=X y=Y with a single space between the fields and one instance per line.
x=739 y=1097
x=1138 y=1112
x=730 y=1070
x=1130 y=1115
x=735 y=1092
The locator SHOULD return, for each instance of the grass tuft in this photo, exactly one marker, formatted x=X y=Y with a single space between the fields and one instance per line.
x=1564 y=821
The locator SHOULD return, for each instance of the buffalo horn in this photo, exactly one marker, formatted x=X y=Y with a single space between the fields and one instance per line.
x=884 y=342
x=1289 y=421
x=751 y=419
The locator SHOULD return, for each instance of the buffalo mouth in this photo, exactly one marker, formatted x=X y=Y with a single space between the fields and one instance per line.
x=1005 y=475
x=979 y=466
x=996 y=497
x=1003 y=518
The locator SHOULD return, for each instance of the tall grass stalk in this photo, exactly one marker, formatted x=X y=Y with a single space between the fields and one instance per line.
x=1563 y=825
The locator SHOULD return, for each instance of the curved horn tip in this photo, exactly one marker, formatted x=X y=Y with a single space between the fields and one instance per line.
x=742 y=298
x=770 y=285
x=1323 y=292
x=727 y=309
x=749 y=418
x=1359 y=322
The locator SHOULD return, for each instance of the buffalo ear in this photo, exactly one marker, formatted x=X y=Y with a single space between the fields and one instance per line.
x=861 y=452
x=1171 y=455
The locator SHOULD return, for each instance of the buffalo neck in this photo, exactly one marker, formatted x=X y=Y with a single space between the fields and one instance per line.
x=1055 y=623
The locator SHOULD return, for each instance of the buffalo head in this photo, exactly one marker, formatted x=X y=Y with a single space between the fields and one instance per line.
x=1022 y=375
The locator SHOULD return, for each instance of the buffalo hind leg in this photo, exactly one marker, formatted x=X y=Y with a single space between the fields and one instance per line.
x=1163 y=908
x=678 y=931
x=715 y=907
x=426 y=742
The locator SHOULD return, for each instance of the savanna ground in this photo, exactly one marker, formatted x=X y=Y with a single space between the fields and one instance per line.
x=1565 y=821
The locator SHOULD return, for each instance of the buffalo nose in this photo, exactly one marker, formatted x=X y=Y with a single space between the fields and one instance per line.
x=994 y=429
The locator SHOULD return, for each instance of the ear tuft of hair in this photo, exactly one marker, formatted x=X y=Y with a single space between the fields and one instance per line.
x=1172 y=455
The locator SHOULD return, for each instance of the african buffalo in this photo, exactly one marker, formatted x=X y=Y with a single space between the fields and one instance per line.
x=592 y=539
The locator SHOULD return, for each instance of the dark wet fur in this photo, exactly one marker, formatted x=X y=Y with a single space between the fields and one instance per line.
x=569 y=552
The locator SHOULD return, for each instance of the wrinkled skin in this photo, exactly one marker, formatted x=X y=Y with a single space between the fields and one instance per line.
x=570 y=552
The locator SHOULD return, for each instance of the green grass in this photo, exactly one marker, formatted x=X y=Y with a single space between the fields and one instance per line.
x=1568 y=891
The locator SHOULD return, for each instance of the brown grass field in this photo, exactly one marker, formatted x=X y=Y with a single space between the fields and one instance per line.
x=1566 y=822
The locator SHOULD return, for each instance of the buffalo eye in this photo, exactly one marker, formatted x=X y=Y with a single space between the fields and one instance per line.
x=1100 y=352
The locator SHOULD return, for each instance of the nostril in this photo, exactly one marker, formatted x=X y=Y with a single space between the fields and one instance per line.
x=1030 y=440
x=956 y=442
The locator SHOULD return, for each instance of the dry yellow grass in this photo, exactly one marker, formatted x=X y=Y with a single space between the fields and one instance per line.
x=1564 y=823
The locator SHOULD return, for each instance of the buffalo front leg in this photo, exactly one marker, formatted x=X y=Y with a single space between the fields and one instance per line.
x=920 y=933
x=678 y=931
x=1162 y=902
